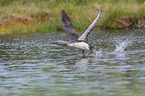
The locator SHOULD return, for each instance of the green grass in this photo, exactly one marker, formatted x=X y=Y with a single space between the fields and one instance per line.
x=45 y=15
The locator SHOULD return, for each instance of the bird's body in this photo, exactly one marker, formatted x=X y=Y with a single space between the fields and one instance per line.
x=75 y=41
x=80 y=45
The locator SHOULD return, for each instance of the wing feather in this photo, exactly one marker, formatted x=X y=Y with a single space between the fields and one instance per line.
x=84 y=36
x=68 y=27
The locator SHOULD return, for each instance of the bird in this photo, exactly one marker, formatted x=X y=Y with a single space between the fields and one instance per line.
x=74 y=40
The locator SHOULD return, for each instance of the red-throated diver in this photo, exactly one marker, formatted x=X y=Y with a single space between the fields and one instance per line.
x=75 y=41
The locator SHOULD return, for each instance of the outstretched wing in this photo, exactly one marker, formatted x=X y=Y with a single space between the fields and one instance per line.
x=68 y=27
x=84 y=36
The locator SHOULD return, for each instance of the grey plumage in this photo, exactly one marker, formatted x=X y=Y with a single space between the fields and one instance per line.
x=74 y=41
x=62 y=42
x=68 y=27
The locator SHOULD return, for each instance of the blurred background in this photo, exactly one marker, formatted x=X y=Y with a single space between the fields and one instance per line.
x=45 y=15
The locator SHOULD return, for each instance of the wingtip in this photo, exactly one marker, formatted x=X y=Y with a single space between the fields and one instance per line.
x=63 y=11
x=101 y=8
x=90 y=28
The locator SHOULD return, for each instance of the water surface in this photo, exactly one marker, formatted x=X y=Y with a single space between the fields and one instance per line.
x=31 y=66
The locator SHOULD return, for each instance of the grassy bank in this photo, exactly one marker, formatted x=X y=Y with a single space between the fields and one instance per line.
x=45 y=15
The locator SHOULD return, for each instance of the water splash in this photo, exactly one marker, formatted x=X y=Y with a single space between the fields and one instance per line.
x=122 y=45
x=97 y=52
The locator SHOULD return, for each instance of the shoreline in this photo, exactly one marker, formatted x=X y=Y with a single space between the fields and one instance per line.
x=36 y=18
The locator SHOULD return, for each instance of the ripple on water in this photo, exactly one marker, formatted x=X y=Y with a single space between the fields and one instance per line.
x=31 y=65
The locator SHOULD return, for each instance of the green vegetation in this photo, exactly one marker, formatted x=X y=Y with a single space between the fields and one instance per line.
x=45 y=15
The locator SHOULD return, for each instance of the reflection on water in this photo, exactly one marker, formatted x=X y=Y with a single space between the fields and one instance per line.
x=31 y=65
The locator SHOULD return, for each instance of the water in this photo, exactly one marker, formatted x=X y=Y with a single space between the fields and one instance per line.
x=31 y=66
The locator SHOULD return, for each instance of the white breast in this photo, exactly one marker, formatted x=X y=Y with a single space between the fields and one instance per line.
x=81 y=45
